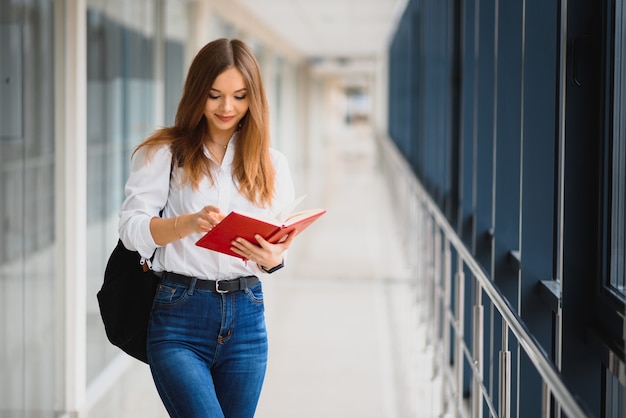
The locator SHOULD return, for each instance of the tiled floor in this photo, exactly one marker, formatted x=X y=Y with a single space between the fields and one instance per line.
x=343 y=337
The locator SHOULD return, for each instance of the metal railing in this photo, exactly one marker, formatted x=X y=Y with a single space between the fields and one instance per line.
x=431 y=242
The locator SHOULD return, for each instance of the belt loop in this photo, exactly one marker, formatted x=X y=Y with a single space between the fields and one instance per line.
x=243 y=283
x=192 y=286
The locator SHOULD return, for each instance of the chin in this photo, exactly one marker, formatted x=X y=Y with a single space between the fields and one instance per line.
x=225 y=126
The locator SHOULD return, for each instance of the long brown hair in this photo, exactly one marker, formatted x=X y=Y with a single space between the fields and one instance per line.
x=252 y=166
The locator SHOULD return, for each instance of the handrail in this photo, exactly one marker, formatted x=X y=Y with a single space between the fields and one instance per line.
x=390 y=155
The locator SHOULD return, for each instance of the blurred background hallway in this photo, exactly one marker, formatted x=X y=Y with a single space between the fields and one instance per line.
x=466 y=267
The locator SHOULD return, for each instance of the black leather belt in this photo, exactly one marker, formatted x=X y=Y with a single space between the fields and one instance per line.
x=219 y=286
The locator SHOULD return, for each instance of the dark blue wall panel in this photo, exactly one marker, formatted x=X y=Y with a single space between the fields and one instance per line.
x=474 y=107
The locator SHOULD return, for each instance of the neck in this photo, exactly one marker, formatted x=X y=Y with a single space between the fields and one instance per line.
x=219 y=143
x=219 y=137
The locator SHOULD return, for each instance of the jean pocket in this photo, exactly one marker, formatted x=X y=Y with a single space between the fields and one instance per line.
x=169 y=294
x=255 y=293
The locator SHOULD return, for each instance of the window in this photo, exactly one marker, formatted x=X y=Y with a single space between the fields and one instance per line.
x=616 y=156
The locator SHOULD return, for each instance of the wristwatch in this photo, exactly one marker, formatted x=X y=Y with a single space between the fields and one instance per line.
x=273 y=269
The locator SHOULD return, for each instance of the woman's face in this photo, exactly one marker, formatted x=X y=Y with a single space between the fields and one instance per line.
x=227 y=103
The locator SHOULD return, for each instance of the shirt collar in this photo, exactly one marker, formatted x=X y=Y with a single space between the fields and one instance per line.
x=229 y=155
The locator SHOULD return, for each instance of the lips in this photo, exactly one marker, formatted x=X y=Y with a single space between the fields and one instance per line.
x=224 y=118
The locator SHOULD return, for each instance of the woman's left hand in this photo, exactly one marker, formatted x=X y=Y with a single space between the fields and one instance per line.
x=264 y=253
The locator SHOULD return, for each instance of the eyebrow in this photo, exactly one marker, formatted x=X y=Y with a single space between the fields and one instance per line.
x=236 y=91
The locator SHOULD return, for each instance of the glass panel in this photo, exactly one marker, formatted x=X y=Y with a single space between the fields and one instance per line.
x=614 y=400
x=120 y=91
x=11 y=82
x=175 y=63
x=618 y=192
x=27 y=201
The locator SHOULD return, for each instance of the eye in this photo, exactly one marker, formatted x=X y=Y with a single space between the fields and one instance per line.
x=240 y=97
x=213 y=97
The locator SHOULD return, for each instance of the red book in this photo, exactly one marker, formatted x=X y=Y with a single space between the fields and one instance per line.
x=245 y=225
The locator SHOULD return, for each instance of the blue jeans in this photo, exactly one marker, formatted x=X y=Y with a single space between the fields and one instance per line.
x=208 y=351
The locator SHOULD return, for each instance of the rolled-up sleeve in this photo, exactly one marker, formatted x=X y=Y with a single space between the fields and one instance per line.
x=146 y=192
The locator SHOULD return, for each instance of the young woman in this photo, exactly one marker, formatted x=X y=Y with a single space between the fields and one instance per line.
x=207 y=342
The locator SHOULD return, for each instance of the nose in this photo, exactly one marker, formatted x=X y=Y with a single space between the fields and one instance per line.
x=227 y=104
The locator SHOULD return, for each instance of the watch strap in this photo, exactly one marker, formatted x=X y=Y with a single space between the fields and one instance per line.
x=273 y=269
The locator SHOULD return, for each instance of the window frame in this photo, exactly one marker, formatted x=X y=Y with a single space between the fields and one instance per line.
x=610 y=303
x=612 y=161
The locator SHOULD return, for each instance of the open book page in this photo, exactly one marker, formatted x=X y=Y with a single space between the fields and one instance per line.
x=287 y=210
x=298 y=216
x=281 y=218
x=263 y=218
x=296 y=224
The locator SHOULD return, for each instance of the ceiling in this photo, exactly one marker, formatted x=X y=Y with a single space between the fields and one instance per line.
x=339 y=37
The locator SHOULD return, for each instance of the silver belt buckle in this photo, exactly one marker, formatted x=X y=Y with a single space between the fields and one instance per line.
x=217 y=287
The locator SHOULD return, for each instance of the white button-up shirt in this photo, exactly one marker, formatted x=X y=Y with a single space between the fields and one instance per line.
x=150 y=188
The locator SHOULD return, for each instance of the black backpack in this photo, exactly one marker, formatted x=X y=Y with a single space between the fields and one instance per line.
x=125 y=301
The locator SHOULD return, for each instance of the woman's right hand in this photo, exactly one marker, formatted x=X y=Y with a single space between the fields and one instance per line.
x=166 y=230
x=205 y=219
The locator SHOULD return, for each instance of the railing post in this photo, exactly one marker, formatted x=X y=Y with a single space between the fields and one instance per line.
x=429 y=277
x=505 y=375
x=459 y=342
x=435 y=295
x=445 y=323
x=422 y=267
x=545 y=400
x=478 y=347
